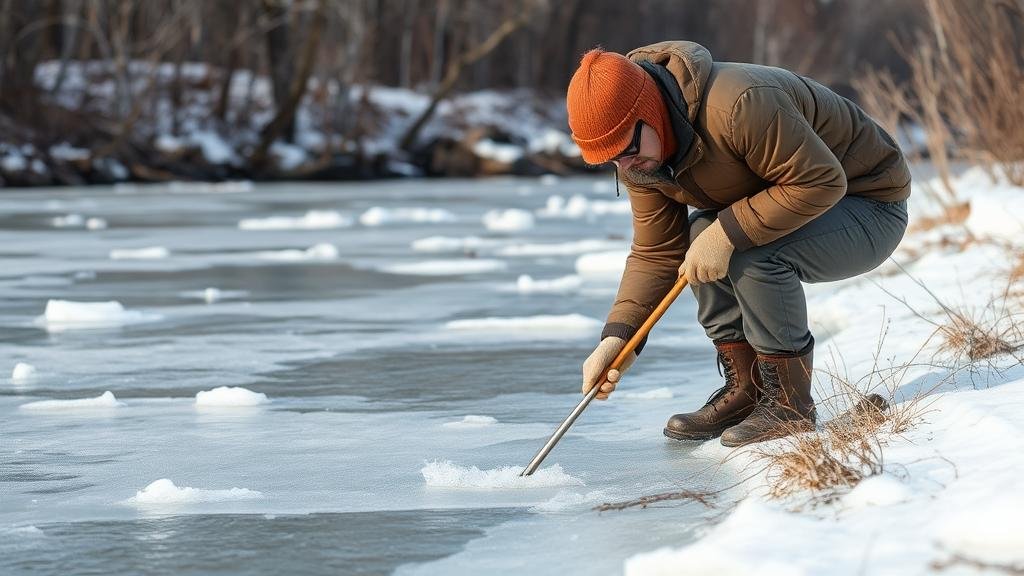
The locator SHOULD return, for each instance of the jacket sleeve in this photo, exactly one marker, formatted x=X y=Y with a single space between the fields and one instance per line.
x=661 y=233
x=781 y=147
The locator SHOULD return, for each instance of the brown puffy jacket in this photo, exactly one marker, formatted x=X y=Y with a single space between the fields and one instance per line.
x=771 y=150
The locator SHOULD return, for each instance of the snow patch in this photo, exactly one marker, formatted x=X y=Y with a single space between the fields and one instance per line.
x=445 y=474
x=230 y=396
x=151 y=253
x=23 y=372
x=579 y=206
x=472 y=421
x=541 y=326
x=605 y=265
x=511 y=220
x=68 y=315
x=498 y=151
x=317 y=252
x=68 y=221
x=561 y=248
x=881 y=490
x=526 y=284
x=445 y=267
x=312 y=220
x=379 y=216
x=211 y=295
x=449 y=244
x=103 y=401
x=163 y=491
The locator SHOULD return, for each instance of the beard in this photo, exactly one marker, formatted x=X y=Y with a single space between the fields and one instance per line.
x=657 y=174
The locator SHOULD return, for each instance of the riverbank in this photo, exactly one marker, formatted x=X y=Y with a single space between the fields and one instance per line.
x=100 y=129
x=940 y=488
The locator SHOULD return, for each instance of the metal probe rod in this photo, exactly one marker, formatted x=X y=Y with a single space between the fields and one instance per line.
x=656 y=315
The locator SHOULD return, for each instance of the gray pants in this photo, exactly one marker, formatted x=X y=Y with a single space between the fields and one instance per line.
x=761 y=299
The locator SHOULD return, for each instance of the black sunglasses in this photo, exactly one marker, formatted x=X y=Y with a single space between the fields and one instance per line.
x=634 y=146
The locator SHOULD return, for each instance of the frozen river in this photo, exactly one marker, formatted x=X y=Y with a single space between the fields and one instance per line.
x=398 y=348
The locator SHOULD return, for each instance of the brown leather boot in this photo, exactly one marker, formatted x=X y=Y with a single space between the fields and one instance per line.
x=784 y=406
x=727 y=406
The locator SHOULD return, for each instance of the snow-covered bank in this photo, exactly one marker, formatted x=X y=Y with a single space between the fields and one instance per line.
x=949 y=490
x=477 y=133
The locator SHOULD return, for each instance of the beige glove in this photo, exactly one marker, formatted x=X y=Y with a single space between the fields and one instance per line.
x=601 y=358
x=707 y=259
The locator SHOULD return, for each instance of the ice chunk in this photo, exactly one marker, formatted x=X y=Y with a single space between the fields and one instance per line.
x=312 y=220
x=68 y=315
x=449 y=244
x=472 y=421
x=445 y=474
x=96 y=224
x=579 y=206
x=68 y=221
x=230 y=396
x=317 y=252
x=446 y=267
x=151 y=253
x=104 y=401
x=607 y=265
x=541 y=325
x=526 y=284
x=211 y=295
x=378 y=215
x=163 y=491
x=511 y=220
x=561 y=249
x=23 y=372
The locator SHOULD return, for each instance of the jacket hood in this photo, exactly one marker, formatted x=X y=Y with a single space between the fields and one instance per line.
x=689 y=62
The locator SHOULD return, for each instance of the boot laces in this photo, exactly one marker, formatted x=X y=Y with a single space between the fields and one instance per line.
x=730 y=376
x=771 y=386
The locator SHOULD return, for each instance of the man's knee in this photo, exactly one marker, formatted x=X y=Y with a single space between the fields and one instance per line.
x=758 y=264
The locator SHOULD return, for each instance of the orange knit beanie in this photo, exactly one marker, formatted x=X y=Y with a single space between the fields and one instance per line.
x=606 y=97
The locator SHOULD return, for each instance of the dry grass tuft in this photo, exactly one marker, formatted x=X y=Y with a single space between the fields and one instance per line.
x=965 y=337
x=850 y=447
x=701 y=497
x=952 y=213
